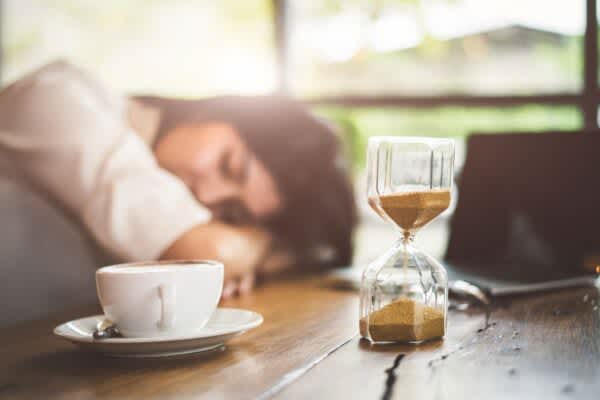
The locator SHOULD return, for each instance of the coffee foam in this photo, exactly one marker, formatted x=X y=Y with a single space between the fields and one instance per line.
x=162 y=267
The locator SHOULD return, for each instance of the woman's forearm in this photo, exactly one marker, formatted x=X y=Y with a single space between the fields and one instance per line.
x=240 y=249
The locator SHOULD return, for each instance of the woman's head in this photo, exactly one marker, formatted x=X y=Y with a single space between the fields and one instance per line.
x=263 y=160
x=221 y=171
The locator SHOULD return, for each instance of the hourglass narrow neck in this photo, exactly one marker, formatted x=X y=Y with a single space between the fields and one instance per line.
x=406 y=238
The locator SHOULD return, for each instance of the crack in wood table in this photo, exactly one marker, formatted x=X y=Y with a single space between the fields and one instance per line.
x=544 y=346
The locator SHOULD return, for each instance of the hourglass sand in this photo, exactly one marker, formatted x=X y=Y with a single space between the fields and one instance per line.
x=404 y=292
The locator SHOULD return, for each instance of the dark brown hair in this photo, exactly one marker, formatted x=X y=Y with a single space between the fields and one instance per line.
x=303 y=154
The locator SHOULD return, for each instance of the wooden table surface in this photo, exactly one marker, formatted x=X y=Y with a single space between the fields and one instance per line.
x=537 y=346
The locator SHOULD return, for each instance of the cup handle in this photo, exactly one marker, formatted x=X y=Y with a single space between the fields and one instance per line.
x=166 y=293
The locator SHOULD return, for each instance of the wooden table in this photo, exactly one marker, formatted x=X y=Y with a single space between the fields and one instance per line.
x=537 y=346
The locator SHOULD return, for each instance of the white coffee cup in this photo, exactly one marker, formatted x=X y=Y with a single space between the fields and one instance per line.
x=160 y=298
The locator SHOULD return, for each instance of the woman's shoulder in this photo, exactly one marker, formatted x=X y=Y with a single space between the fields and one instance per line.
x=61 y=82
x=57 y=69
x=52 y=77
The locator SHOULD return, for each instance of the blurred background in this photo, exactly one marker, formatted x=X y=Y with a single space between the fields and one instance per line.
x=378 y=67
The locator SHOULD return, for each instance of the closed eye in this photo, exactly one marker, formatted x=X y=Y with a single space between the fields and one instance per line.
x=245 y=169
x=235 y=166
x=225 y=163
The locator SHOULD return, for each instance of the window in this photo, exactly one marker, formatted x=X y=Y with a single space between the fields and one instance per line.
x=433 y=47
x=448 y=67
x=170 y=47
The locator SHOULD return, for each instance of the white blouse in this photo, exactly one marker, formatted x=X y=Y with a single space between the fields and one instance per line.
x=73 y=139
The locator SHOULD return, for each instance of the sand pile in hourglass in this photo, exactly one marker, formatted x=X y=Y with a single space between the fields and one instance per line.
x=405 y=319
x=412 y=210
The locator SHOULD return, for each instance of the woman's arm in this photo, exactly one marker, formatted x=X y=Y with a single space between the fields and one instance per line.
x=247 y=253
x=74 y=146
x=240 y=249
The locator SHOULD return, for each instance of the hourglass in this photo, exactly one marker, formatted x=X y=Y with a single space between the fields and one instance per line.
x=404 y=292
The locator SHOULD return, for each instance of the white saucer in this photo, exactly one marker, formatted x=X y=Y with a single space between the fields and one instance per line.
x=223 y=325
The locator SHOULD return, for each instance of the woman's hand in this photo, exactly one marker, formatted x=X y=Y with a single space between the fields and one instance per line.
x=240 y=249
x=239 y=285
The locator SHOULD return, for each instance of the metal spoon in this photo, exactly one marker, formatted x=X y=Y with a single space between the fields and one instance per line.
x=106 y=329
x=462 y=288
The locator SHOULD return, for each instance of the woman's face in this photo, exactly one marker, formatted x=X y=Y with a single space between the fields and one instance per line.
x=221 y=171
